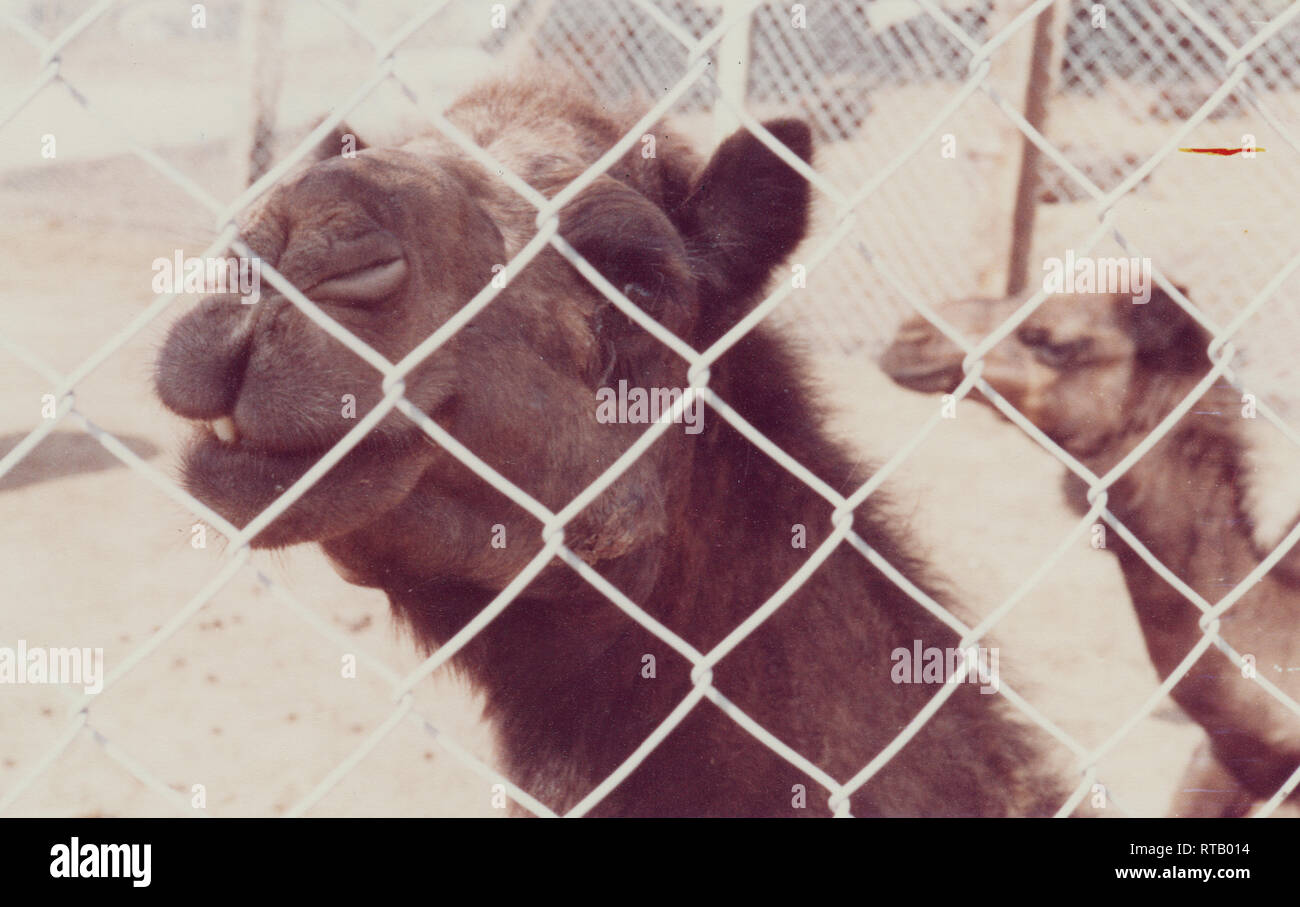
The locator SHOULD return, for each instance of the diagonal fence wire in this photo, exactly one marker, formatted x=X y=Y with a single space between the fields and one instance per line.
x=552 y=524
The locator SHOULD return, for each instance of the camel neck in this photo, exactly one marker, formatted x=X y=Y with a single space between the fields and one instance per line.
x=1183 y=501
x=1184 y=497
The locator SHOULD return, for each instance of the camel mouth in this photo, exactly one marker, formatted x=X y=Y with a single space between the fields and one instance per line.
x=239 y=480
x=927 y=378
x=222 y=471
x=223 y=436
x=220 y=443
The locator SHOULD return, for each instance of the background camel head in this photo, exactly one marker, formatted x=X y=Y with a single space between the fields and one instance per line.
x=391 y=244
x=1077 y=367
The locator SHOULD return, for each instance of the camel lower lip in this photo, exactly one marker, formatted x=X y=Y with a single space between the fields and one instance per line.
x=217 y=471
x=242 y=447
x=239 y=482
x=927 y=379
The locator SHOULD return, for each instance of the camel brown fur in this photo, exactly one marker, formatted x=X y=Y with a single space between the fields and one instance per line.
x=699 y=531
x=1097 y=373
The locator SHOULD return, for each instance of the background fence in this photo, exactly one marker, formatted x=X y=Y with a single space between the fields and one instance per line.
x=138 y=97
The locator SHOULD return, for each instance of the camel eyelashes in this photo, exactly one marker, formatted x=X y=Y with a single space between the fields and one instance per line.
x=646 y=296
x=1059 y=355
x=1055 y=355
x=610 y=322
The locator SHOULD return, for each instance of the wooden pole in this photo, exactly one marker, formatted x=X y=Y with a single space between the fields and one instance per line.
x=1045 y=67
x=1001 y=142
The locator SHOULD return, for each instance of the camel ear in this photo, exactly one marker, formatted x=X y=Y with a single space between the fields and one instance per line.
x=747 y=211
x=1168 y=339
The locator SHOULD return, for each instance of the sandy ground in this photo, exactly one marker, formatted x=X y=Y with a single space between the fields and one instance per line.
x=248 y=700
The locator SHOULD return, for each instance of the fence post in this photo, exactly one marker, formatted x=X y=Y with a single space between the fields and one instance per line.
x=1045 y=67
x=1010 y=75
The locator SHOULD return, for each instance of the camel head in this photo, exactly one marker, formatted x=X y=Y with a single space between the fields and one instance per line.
x=391 y=244
x=1077 y=367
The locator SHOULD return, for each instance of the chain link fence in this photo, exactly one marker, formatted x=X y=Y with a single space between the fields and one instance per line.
x=1122 y=99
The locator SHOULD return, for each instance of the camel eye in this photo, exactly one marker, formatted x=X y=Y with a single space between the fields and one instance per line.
x=1059 y=355
x=1054 y=354
x=639 y=294
x=373 y=283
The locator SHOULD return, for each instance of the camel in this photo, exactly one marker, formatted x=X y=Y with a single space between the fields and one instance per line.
x=1097 y=373
x=700 y=530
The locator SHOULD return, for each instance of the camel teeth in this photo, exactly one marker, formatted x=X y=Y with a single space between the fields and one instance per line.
x=225 y=430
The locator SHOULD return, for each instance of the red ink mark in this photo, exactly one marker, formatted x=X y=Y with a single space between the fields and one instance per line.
x=1225 y=152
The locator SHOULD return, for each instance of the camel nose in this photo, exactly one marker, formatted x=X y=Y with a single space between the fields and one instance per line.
x=202 y=363
x=914 y=333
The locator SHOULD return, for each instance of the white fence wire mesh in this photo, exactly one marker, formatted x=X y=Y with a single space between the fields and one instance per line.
x=1188 y=61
